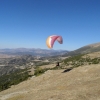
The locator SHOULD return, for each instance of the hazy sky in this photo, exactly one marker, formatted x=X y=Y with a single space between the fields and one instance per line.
x=28 y=23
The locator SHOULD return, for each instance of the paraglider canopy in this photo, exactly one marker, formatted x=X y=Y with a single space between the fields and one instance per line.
x=51 y=39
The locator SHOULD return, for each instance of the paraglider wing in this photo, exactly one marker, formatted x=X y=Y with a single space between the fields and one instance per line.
x=60 y=40
x=51 y=39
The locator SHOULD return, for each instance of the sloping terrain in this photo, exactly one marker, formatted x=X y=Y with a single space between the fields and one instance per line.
x=81 y=83
x=85 y=49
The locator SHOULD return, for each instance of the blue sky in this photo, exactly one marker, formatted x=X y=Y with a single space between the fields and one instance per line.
x=28 y=23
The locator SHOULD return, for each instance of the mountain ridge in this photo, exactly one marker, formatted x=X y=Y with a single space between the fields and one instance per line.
x=95 y=47
x=32 y=51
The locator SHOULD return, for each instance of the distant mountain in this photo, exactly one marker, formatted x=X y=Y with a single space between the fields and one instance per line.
x=85 y=49
x=32 y=51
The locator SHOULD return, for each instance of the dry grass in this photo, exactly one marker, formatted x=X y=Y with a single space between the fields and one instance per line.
x=48 y=66
x=82 y=83
x=94 y=55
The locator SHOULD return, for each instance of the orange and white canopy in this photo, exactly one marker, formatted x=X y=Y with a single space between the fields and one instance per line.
x=51 y=39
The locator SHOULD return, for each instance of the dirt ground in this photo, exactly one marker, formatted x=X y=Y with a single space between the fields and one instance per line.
x=82 y=83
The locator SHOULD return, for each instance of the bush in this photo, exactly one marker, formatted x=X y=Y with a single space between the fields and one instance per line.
x=39 y=71
x=12 y=79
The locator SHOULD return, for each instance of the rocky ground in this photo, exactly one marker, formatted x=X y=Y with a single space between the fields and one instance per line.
x=81 y=83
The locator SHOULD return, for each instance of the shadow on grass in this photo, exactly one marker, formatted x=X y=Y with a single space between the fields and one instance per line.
x=67 y=70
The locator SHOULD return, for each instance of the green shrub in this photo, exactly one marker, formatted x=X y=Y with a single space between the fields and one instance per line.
x=39 y=71
x=12 y=79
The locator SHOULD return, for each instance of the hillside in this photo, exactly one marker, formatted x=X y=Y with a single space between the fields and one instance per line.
x=77 y=77
x=85 y=49
x=81 y=83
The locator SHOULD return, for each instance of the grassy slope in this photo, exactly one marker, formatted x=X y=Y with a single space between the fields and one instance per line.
x=81 y=83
